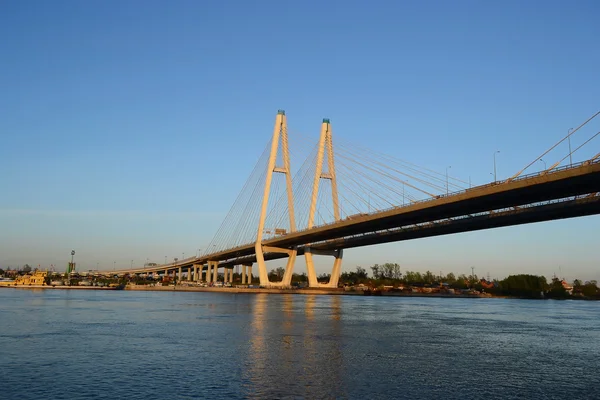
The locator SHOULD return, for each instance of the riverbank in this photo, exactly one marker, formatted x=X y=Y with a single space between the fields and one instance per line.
x=58 y=287
x=242 y=290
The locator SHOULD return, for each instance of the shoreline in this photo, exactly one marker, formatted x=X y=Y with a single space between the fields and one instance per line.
x=305 y=291
x=233 y=290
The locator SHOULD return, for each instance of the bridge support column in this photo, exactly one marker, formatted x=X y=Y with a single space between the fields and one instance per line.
x=195 y=277
x=335 y=272
x=215 y=271
x=249 y=274
x=243 y=274
x=208 y=271
x=188 y=276
x=179 y=277
x=286 y=281
x=279 y=134
x=325 y=146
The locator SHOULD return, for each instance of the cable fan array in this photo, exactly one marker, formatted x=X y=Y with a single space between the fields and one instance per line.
x=367 y=182
x=240 y=225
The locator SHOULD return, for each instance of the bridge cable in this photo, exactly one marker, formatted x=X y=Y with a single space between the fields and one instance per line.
x=551 y=148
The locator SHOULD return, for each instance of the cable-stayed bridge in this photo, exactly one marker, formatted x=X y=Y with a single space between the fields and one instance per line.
x=347 y=196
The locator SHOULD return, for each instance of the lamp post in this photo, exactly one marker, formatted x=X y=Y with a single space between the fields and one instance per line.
x=114 y=265
x=545 y=167
x=496 y=152
x=72 y=266
x=570 y=155
x=131 y=264
x=165 y=260
x=448 y=167
x=183 y=256
x=403 y=201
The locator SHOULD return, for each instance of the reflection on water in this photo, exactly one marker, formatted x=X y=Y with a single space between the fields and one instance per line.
x=285 y=346
x=156 y=345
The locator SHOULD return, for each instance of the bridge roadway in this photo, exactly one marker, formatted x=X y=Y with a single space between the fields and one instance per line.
x=527 y=199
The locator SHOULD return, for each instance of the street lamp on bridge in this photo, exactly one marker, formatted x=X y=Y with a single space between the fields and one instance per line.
x=545 y=167
x=570 y=154
x=496 y=152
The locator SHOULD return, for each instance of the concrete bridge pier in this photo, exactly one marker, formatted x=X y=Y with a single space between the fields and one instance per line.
x=208 y=272
x=179 y=275
x=215 y=271
x=243 y=274
x=335 y=272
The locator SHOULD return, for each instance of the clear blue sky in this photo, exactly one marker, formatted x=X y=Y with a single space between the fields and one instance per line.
x=128 y=127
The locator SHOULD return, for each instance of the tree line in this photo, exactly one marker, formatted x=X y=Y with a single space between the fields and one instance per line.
x=522 y=285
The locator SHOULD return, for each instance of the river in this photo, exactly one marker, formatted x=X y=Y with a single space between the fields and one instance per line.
x=80 y=344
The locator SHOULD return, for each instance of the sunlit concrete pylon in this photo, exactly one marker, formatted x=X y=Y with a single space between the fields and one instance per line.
x=325 y=145
x=279 y=135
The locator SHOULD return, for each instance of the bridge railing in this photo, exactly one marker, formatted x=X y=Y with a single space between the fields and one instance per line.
x=522 y=177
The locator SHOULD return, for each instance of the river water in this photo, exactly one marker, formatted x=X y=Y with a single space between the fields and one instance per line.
x=80 y=344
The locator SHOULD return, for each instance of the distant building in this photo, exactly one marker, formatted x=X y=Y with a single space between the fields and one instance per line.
x=568 y=288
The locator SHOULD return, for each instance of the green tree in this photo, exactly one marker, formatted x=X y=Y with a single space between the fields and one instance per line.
x=428 y=277
x=390 y=271
x=412 y=278
x=361 y=273
x=376 y=272
x=557 y=290
x=590 y=289
x=300 y=277
x=462 y=282
x=26 y=269
x=1 y=271
x=529 y=286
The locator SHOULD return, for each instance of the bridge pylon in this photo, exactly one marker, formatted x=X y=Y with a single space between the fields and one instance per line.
x=325 y=147
x=279 y=135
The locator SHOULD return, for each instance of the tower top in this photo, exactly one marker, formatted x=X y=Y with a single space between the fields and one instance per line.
x=325 y=120
x=281 y=112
